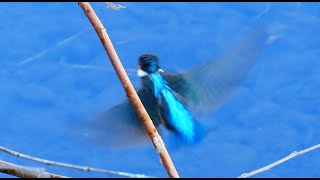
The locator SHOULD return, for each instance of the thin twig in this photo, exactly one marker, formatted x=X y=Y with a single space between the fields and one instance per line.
x=45 y=51
x=130 y=91
x=292 y=155
x=83 y=168
x=20 y=171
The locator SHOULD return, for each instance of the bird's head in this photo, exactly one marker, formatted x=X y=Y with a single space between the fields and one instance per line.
x=148 y=64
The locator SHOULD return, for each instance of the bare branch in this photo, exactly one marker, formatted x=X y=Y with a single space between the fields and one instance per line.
x=130 y=91
x=292 y=155
x=20 y=171
x=83 y=168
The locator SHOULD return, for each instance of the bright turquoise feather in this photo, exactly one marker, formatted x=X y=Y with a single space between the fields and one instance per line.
x=172 y=111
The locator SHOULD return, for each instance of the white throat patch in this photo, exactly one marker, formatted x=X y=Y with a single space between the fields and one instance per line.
x=141 y=73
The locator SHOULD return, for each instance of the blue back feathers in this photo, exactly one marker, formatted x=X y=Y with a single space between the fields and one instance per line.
x=174 y=114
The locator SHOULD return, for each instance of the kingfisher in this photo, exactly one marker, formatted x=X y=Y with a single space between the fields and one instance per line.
x=169 y=104
x=170 y=98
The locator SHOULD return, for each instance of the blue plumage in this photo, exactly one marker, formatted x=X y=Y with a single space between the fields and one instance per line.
x=172 y=112
x=170 y=98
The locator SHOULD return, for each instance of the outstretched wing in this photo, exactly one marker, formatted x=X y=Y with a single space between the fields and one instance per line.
x=207 y=86
x=120 y=125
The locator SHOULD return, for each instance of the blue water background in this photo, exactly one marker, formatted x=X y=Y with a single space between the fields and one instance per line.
x=54 y=73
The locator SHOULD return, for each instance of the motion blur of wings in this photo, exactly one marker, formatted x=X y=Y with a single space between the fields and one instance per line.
x=203 y=88
x=208 y=86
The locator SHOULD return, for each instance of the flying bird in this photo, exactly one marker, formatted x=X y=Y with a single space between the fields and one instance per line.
x=170 y=98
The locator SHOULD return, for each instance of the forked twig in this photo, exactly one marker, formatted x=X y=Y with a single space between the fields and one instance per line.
x=130 y=91
x=20 y=171
x=292 y=155
x=83 y=168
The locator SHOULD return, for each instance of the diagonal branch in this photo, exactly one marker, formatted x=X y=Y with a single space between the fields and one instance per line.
x=266 y=168
x=20 y=171
x=130 y=91
x=83 y=168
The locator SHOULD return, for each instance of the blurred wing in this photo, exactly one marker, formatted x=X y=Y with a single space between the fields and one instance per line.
x=206 y=87
x=120 y=126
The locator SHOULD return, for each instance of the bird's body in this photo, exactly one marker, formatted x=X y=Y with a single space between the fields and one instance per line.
x=170 y=98
x=170 y=107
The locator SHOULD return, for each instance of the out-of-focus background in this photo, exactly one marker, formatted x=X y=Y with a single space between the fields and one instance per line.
x=55 y=73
